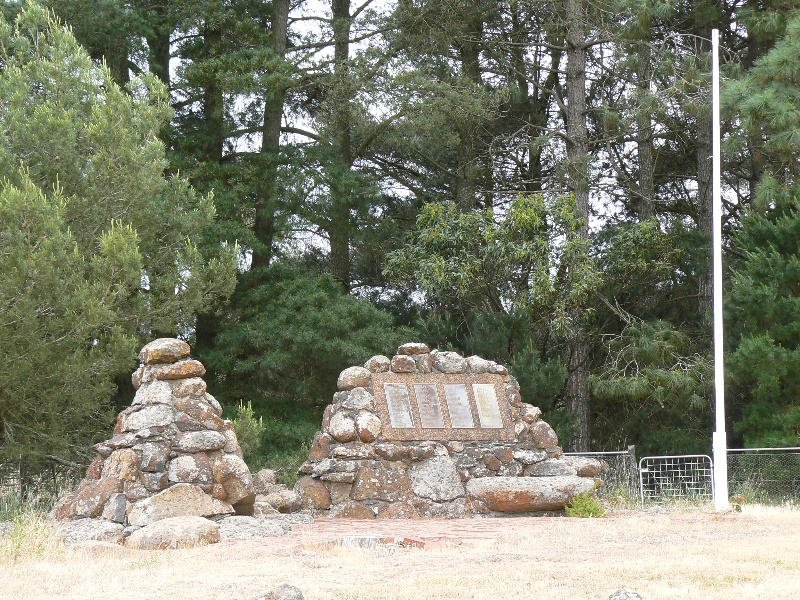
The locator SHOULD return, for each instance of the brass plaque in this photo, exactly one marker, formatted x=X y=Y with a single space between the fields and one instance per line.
x=430 y=410
x=438 y=406
x=488 y=409
x=399 y=405
x=458 y=405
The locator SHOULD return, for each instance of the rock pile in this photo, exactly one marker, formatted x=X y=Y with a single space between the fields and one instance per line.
x=172 y=454
x=361 y=465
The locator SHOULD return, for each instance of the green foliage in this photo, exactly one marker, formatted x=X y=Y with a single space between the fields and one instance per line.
x=54 y=300
x=287 y=336
x=275 y=443
x=532 y=262
x=650 y=391
x=94 y=240
x=584 y=505
x=504 y=287
x=764 y=302
x=249 y=432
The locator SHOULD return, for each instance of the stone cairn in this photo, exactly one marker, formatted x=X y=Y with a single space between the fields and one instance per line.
x=172 y=454
x=354 y=471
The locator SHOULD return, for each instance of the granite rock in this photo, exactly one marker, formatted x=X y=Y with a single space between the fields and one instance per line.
x=182 y=499
x=378 y=364
x=354 y=377
x=163 y=351
x=175 y=532
x=84 y=530
x=449 y=362
x=248 y=528
x=436 y=479
x=526 y=494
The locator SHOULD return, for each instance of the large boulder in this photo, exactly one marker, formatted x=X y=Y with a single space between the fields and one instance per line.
x=436 y=479
x=84 y=530
x=246 y=528
x=164 y=351
x=526 y=494
x=182 y=499
x=175 y=532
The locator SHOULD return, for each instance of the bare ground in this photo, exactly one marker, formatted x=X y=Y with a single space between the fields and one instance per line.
x=752 y=554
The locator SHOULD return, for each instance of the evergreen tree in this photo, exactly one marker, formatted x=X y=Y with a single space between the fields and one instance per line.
x=83 y=156
x=764 y=303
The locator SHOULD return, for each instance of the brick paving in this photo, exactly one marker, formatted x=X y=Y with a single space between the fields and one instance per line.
x=423 y=533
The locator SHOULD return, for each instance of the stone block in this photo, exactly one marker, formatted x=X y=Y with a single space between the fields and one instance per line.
x=114 y=509
x=378 y=364
x=152 y=456
x=199 y=441
x=163 y=351
x=190 y=468
x=184 y=369
x=352 y=510
x=342 y=427
x=543 y=435
x=175 y=532
x=358 y=399
x=313 y=493
x=354 y=377
x=527 y=494
x=182 y=499
x=436 y=479
x=413 y=348
x=368 y=426
x=86 y=530
x=402 y=363
x=155 y=392
x=380 y=484
x=232 y=472
x=449 y=362
x=92 y=495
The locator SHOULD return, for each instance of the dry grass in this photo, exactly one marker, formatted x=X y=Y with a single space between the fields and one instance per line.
x=753 y=554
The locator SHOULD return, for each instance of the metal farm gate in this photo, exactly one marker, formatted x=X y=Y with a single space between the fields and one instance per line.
x=676 y=479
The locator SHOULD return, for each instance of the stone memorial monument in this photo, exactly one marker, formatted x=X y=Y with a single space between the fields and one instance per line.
x=171 y=455
x=435 y=434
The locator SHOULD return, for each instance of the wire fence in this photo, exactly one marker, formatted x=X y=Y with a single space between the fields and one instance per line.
x=619 y=474
x=23 y=485
x=764 y=475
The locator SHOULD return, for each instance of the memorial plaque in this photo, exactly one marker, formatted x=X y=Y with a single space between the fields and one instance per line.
x=430 y=410
x=442 y=406
x=458 y=406
x=399 y=405
x=488 y=409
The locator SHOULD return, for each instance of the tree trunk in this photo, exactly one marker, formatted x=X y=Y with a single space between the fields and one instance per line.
x=468 y=169
x=264 y=223
x=644 y=137
x=705 y=213
x=705 y=200
x=577 y=392
x=158 y=43
x=206 y=325
x=340 y=225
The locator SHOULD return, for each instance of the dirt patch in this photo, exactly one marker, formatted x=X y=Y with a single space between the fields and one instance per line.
x=753 y=554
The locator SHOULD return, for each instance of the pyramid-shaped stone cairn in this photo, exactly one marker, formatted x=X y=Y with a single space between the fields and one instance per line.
x=171 y=455
x=434 y=434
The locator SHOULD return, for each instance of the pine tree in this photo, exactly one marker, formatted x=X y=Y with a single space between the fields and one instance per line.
x=764 y=303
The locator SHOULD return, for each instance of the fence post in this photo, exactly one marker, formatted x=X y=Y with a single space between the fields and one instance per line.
x=633 y=471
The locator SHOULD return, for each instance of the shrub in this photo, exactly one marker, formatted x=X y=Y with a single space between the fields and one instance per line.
x=585 y=505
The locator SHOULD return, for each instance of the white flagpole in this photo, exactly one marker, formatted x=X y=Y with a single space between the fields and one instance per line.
x=720 y=442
